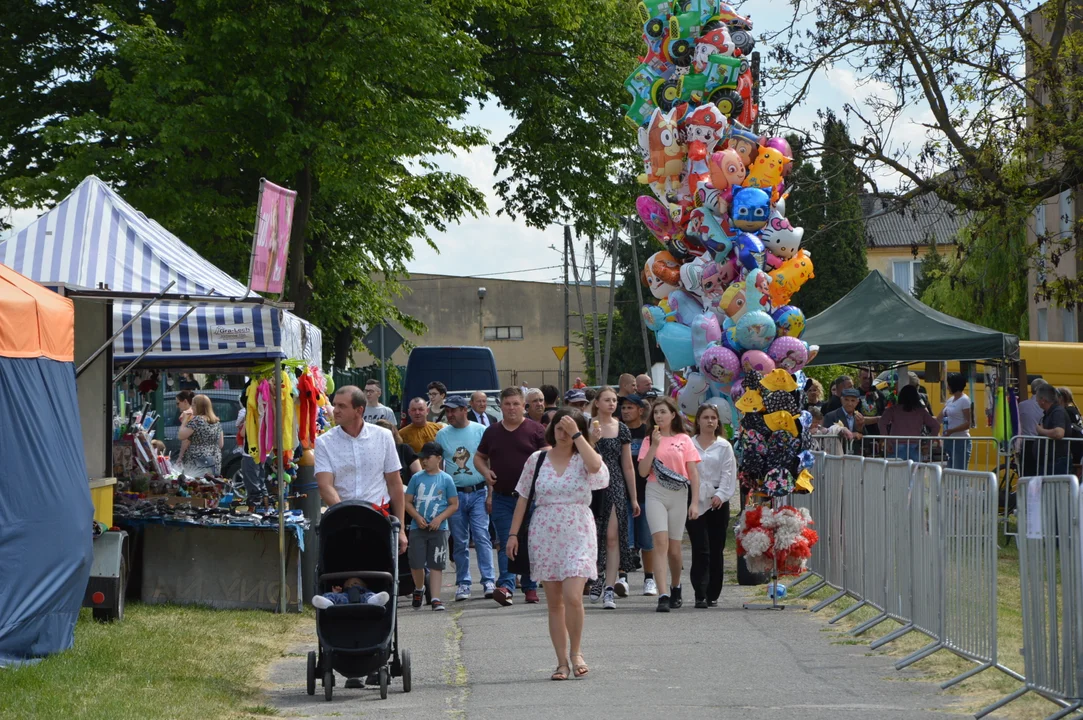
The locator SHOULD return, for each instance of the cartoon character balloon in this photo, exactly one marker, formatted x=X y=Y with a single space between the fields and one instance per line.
x=790 y=276
x=780 y=238
x=755 y=330
x=693 y=394
x=720 y=365
x=751 y=208
x=662 y=142
x=789 y=353
x=662 y=274
x=789 y=320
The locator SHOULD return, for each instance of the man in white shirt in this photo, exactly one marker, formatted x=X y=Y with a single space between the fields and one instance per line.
x=358 y=460
x=373 y=409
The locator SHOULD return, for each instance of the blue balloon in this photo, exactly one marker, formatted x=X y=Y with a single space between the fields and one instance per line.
x=674 y=339
x=750 y=251
x=755 y=330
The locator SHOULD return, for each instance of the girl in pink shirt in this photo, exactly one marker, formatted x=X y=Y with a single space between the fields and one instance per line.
x=669 y=458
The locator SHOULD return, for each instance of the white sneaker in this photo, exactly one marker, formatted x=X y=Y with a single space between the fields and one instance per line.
x=650 y=587
x=379 y=598
x=463 y=593
x=490 y=588
x=595 y=593
x=621 y=588
x=319 y=601
x=608 y=603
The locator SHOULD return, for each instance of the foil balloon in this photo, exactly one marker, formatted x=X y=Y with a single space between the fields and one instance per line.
x=705 y=332
x=757 y=360
x=662 y=274
x=750 y=252
x=783 y=146
x=789 y=353
x=661 y=140
x=767 y=169
x=733 y=301
x=758 y=290
x=744 y=143
x=709 y=232
x=729 y=339
x=750 y=208
x=720 y=365
x=657 y=218
x=790 y=276
x=789 y=320
x=755 y=330
x=693 y=394
x=674 y=339
x=685 y=306
x=779 y=237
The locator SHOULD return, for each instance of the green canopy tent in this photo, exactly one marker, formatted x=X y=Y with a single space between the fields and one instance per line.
x=879 y=322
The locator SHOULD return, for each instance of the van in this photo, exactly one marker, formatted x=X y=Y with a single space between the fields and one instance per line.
x=458 y=367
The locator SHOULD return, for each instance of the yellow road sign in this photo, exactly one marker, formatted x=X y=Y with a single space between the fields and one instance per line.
x=560 y=351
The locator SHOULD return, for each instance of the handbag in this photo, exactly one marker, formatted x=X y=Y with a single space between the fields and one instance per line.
x=520 y=564
x=669 y=479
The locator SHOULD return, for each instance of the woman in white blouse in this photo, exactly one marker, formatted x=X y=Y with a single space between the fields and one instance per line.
x=717 y=484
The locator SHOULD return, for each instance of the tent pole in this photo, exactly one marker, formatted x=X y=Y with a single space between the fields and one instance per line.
x=282 y=593
x=109 y=343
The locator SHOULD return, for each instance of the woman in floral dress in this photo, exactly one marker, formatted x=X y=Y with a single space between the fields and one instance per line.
x=613 y=440
x=204 y=435
x=563 y=538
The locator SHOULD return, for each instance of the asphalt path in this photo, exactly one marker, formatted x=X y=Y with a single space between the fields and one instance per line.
x=479 y=661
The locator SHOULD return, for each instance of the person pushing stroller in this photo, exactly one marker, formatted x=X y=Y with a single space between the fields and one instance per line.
x=431 y=498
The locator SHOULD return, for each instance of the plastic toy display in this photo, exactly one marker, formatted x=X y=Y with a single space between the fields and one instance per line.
x=729 y=263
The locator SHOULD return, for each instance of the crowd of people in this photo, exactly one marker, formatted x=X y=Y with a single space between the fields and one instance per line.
x=589 y=489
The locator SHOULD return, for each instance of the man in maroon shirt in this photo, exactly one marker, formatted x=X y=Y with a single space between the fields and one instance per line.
x=503 y=452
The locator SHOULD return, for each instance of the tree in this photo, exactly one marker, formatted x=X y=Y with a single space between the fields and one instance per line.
x=999 y=84
x=933 y=266
x=626 y=351
x=829 y=208
x=986 y=280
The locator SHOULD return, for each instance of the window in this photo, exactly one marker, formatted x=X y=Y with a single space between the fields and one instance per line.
x=504 y=332
x=906 y=274
x=1068 y=325
x=1065 y=204
x=1043 y=324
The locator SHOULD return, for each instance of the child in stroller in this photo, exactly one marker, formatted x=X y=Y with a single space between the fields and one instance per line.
x=352 y=590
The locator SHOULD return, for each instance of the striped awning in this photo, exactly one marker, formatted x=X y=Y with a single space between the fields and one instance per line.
x=94 y=237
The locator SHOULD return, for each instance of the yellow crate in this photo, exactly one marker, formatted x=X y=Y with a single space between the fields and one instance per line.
x=101 y=494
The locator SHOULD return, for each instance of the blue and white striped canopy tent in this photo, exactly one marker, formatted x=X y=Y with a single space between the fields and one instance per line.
x=93 y=236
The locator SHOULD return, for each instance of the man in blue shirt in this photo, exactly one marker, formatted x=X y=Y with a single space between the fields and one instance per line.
x=460 y=440
x=431 y=499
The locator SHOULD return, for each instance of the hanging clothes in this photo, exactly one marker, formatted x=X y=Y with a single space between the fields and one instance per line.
x=307 y=410
x=252 y=419
x=266 y=420
x=289 y=429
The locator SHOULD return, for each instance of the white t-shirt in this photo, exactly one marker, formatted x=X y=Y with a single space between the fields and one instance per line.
x=380 y=412
x=358 y=463
x=717 y=472
x=953 y=414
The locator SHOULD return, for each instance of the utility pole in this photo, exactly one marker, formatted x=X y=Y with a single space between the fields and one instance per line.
x=567 y=312
x=639 y=299
x=598 y=378
x=612 y=305
x=578 y=284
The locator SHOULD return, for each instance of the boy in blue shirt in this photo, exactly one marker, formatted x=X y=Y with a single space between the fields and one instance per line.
x=431 y=499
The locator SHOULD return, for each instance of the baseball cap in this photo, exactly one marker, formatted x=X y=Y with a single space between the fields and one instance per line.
x=851 y=392
x=456 y=401
x=633 y=398
x=431 y=449
x=575 y=396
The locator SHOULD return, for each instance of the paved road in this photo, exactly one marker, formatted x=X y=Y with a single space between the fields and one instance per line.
x=479 y=661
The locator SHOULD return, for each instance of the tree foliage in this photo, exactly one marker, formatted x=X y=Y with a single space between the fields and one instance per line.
x=998 y=82
x=826 y=202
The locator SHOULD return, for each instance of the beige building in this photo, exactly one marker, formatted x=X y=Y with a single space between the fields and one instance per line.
x=520 y=321
x=1054 y=219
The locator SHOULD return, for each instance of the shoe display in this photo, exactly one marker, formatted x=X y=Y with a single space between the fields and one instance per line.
x=502 y=596
x=437 y=605
x=463 y=593
x=621 y=588
x=650 y=587
x=531 y=597
x=663 y=603
x=418 y=599
x=608 y=603
x=595 y=593
x=675 y=597
x=490 y=587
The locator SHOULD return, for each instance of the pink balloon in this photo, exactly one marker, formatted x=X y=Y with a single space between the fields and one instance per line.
x=720 y=364
x=757 y=360
x=789 y=353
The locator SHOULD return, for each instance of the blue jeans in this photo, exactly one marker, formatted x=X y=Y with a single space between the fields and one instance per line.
x=639 y=533
x=471 y=519
x=503 y=510
x=1060 y=466
x=908 y=451
x=344 y=598
x=958 y=453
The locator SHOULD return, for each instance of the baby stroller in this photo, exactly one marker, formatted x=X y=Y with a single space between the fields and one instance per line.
x=358 y=640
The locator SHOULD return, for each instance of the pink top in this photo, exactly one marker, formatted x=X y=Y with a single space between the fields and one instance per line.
x=673 y=452
x=899 y=422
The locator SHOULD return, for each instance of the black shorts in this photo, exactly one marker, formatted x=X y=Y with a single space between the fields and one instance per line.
x=427 y=549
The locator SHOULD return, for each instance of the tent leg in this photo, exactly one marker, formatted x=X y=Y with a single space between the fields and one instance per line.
x=283 y=594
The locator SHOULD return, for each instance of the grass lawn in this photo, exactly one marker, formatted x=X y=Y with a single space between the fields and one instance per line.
x=160 y=662
x=976 y=692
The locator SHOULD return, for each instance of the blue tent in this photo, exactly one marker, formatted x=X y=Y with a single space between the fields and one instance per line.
x=95 y=237
x=46 y=515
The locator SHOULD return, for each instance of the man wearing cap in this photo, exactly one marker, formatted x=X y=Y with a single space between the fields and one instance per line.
x=460 y=440
x=848 y=415
x=503 y=452
x=578 y=400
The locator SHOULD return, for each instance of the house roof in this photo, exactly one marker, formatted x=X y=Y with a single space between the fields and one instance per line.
x=923 y=218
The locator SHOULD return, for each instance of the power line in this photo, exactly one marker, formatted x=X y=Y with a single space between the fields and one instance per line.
x=481 y=275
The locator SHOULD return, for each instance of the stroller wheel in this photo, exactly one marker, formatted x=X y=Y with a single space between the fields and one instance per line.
x=406 y=680
x=311 y=673
x=328 y=684
x=384 y=678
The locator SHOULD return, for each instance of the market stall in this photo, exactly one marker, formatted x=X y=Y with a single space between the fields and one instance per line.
x=46 y=514
x=172 y=309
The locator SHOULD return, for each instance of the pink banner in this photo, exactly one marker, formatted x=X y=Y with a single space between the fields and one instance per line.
x=271 y=244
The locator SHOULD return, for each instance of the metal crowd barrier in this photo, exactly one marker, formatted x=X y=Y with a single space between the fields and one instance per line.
x=898 y=564
x=1052 y=592
x=926 y=568
x=853 y=533
x=875 y=540
x=830 y=529
x=814 y=567
x=1032 y=456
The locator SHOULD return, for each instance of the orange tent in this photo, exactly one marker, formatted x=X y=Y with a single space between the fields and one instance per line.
x=34 y=322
